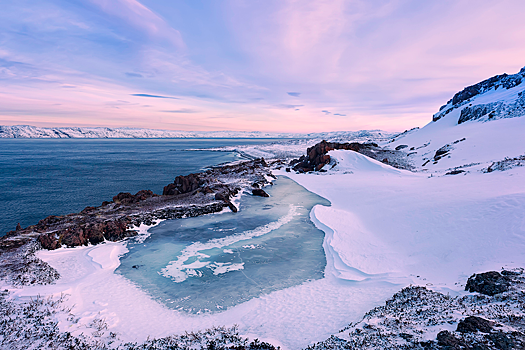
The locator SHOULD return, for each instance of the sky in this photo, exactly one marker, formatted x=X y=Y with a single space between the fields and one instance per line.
x=282 y=66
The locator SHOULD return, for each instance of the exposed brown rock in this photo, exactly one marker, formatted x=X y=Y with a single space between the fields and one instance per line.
x=260 y=192
x=48 y=241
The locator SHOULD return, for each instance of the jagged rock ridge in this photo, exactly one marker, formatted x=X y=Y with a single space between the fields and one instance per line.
x=504 y=104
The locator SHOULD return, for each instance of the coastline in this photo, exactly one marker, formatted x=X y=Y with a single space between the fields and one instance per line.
x=356 y=280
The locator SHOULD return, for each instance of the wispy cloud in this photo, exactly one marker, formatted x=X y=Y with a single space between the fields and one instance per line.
x=154 y=96
x=246 y=65
x=134 y=75
x=183 y=110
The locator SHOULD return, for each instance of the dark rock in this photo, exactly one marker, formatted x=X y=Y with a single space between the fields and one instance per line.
x=123 y=197
x=95 y=232
x=511 y=273
x=73 y=237
x=221 y=196
x=316 y=156
x=473 y=324
x=476 y=112
x=449 y=342
x=260 y=192
x=488 y=283
x=232 y=207
x=400 y=147
x=88 y=209
x=117 y=230
x=443 y=151
x=48 y=241
x=183 y=184
x=18 y=227
x=455 y=172
x=288 y=170
x=127 y=198
x=502 y=341
x=255 y=185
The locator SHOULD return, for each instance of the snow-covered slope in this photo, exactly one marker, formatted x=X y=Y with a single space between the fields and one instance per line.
x=481 y=124
x=27 y=131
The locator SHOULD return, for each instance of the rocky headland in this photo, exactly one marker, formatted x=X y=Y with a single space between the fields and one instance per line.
x=316 y=156
x=191 y=195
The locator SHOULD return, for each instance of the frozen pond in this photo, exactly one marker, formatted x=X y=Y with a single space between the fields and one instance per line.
x=212 y=262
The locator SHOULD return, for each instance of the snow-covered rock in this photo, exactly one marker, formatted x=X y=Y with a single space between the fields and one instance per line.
x=479 y=126
x=501 y=96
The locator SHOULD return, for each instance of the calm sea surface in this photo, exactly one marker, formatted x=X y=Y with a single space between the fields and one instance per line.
x=41 y=177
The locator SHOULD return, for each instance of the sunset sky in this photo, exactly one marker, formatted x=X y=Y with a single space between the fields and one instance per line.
x=298 y=66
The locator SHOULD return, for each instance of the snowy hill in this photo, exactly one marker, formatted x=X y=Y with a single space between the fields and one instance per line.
x=480 y=125
x=27 y=131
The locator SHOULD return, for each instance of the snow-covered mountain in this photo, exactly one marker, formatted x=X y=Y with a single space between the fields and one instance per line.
x=27 y=131
x=480 y=125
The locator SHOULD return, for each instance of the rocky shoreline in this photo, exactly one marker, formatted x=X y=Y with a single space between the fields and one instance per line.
x=191 y=195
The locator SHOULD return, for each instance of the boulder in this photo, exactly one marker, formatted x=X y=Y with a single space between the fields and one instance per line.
x=183 y=184
x=260 y=192
x=48 y=241
x=448 y=341
x=488 y=283
x=472 y=324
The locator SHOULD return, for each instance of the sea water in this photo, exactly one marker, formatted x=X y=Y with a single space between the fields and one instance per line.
x=41 y=177
x=213 y=262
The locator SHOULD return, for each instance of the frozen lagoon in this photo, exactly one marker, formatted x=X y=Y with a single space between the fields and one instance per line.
x=213 y=262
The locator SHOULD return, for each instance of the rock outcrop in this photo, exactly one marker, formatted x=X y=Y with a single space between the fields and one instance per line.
x=316 y=156
x=488 y=283
x=188 y=196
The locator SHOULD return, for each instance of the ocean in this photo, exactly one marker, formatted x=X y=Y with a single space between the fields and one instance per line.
x=42 y=177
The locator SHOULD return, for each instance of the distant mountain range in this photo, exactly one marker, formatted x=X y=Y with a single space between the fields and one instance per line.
x=27 y=131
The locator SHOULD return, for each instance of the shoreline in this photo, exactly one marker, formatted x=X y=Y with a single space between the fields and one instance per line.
x=265 y=317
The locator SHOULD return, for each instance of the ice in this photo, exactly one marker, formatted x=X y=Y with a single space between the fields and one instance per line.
x=213 y=262
x=176 y=269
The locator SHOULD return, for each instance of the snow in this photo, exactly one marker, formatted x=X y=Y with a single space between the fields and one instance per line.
x=386 y=229
x=484 y=142
x=28 y=131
